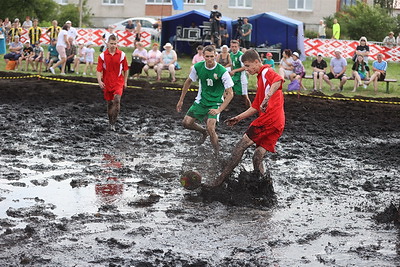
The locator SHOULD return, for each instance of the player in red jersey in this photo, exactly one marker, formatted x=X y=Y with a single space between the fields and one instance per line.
x=266 y=129
x=112 y=76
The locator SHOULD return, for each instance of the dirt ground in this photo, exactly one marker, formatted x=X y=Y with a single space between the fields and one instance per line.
x=73 y=193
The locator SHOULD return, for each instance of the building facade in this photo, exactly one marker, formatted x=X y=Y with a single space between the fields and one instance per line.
x=310 y=12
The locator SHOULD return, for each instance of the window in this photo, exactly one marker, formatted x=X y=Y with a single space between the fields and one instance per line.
x=113 y=2
x=62 y=2
x=344 y=3
x=202 y=2
x=300 y=4
x=158 y=1
x=241 y=3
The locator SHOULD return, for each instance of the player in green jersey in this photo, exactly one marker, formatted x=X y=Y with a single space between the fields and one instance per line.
x=214 y=83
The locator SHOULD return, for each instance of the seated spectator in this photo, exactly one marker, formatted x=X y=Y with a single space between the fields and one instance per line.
x=15 y=49
x=71 y=52
x=153 y=59
x=298 y=70
x=389 y=40
x=27 y=53
x=89 y=58
x=139 y=59
x=319 y=68
x=52 y=54
x=269 y=61
x=199 y=56
x=224 y=58
x=398 y=40
x=360 y=72
x=130 y=27
x=379 y=67
x=362 y=49
x=168 y=61
x=80 y=56
x=285 y=65
x=337 y=67
x=224 y=35
x=37 y=59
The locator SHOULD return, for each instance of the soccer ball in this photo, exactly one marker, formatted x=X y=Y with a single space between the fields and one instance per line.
x=190 y=180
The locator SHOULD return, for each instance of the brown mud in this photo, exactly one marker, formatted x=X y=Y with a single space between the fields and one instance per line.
x=73 y=193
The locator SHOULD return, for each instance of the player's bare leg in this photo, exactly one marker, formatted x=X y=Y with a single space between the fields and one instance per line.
x=258 y=158
x=190 y=123
x=113 y=109
x=246 y=100
x=211 y=123
x=233 y=161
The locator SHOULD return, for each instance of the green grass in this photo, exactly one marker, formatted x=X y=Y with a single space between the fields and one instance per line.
x=393 y=72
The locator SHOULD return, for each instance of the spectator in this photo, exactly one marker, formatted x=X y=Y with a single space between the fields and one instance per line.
x=153 y=59
x=362 y=49
x=27 y=53
x=130 y=27
x=319 y=68
x=238 y=73
x=389 y=40
x=89 y=58
x=360 y=70
x=80 y=56
x=71 y=30
x=53 y=30
x=15 y=49
x=62 y=44
x=3 y=37
x=35 y=32
x=7 y=27
x=52 y=54
x=335 y=30
x=269 y=61
x=27 y=23
x=139 y=60
x=398 y=40
x=138 y=32
x=338 y=67
x=298 y=70
x=321 y=29
x=18 y=22
x=224 y=58
x=285 y=65
x=215 y=17
x=224 y=35
x=167 y=62
x=37 y=59
x=246 y=33
x=199 y=56
x=70 y=52
x=106 y=35
x=379 y=67
x=14 y=31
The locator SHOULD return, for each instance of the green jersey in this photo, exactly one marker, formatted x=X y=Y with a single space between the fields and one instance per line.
x=236 y=64
x=212 y=83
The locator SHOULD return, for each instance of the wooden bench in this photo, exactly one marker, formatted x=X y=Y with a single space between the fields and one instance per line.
x=352 y=79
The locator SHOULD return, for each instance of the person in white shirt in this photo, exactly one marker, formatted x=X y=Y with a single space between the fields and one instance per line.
x=89 y=58
x=80 y=56
x=71 y=31
x=153 y=59
x=62 y=44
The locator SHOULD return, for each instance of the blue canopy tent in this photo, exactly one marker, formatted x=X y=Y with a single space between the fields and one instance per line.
x=275 y=29
x=184 y=20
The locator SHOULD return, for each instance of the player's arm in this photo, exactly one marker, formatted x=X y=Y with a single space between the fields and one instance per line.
x=228 y=96
x=99 y=73
x=185 y=89
x=274 y=87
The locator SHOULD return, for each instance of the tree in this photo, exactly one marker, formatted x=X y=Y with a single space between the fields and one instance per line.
x=361 y=19
x=71 y=12
x=41 y=9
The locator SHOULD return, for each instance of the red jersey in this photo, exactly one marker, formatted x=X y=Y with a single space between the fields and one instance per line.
x=268 y=127
x=112 y=67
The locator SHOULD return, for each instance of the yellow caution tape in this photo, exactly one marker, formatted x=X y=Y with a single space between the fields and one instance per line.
x=193 y=90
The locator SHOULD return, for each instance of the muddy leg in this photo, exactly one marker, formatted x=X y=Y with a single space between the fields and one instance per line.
x=213 y=135
x=258 y=157
x=113 y=109
x=234 y=160
x=190 y=123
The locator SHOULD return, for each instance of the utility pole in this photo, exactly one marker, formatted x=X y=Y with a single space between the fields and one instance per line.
x=80 y=13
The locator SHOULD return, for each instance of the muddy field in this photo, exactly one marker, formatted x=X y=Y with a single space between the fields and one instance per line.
x=72 y=193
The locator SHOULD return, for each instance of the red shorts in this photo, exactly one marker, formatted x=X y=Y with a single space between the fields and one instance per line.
x=264 y=136
x=109 y=93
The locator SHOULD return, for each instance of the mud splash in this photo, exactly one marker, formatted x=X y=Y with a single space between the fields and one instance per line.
x=74 y=194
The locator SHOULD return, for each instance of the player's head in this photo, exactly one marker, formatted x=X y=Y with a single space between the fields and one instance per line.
x=235 y=46
x=215 y=7
x=209 y=54
x=251 y=61
x=112 y=42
